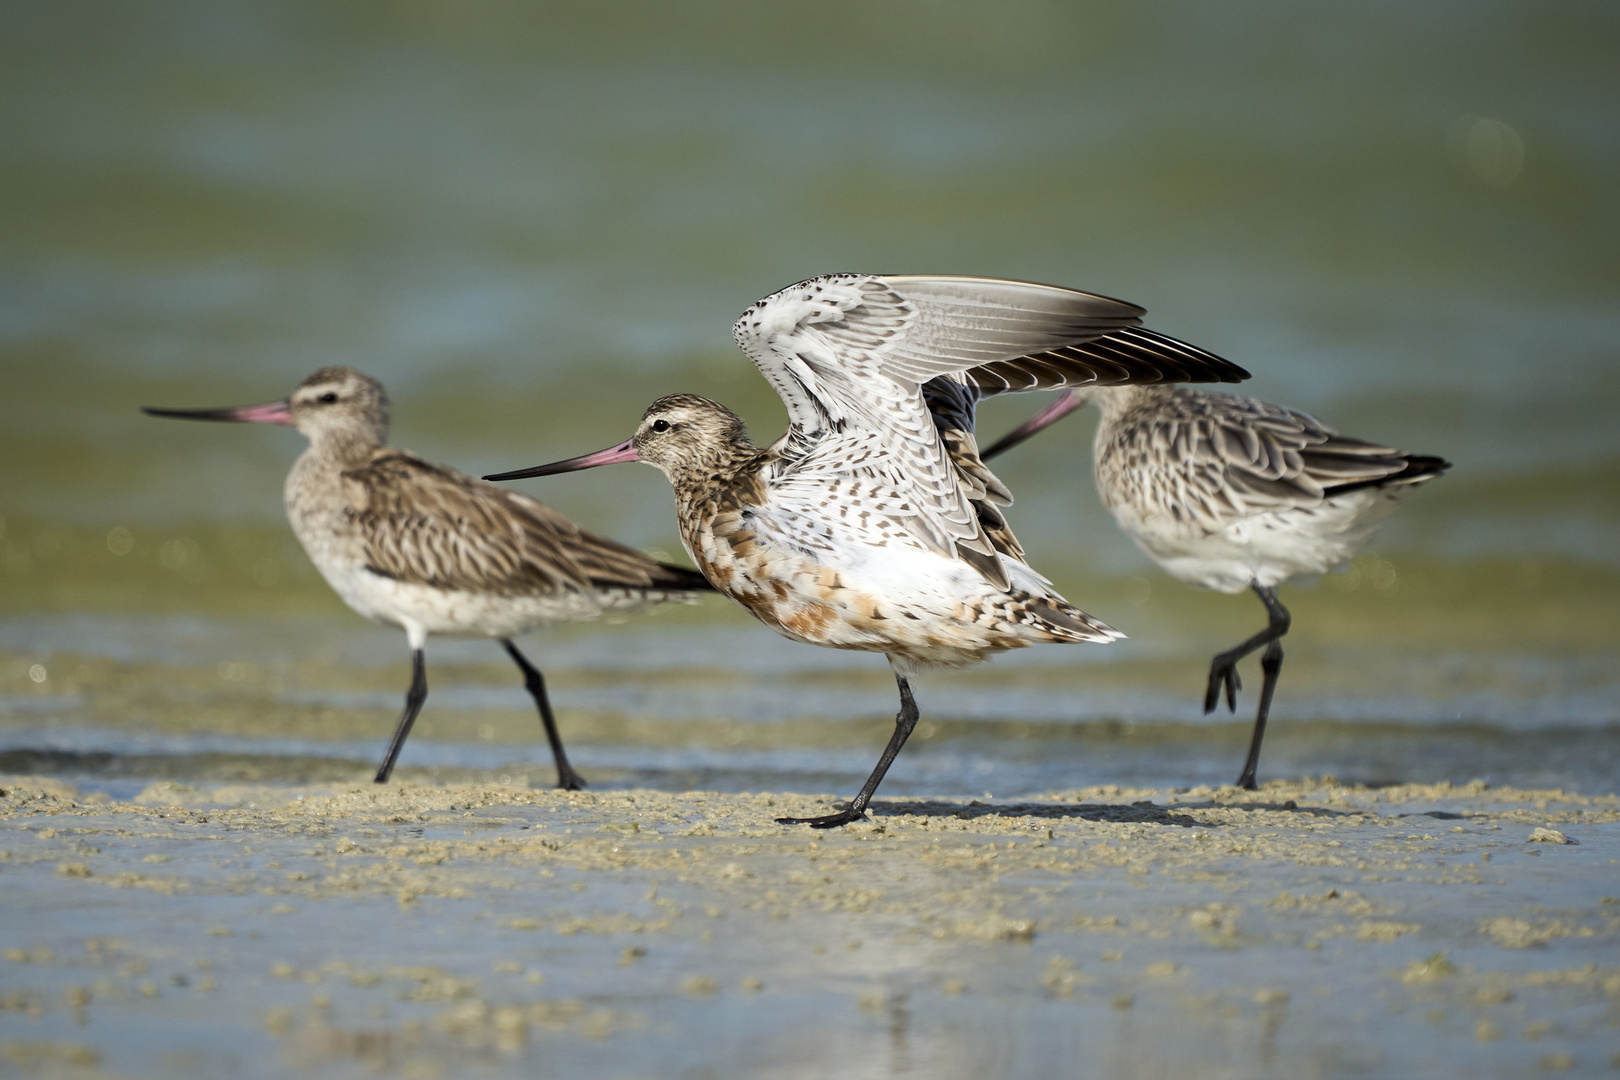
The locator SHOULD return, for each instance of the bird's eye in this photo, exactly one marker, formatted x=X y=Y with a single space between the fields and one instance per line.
x=660 y=425
x=328 y=397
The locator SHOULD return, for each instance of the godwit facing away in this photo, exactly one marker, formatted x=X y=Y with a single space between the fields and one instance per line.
x=1230 y=493
x=871 y=524
x=434 y=551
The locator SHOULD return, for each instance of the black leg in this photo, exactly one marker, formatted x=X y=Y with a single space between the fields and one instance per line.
x=904 y=721
x=413 y=705
x=1223 y=669
x=1270 y=665
x=567 y=778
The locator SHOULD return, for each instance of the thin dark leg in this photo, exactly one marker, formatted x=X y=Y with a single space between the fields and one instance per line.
x=567 y=778
x=1270 y=665
x=904 y=721
x=413 y=705
x=1223 y=669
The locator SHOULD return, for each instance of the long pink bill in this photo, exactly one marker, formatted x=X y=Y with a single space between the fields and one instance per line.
x=1066 y=403
x=273 y=412
x=625 y=451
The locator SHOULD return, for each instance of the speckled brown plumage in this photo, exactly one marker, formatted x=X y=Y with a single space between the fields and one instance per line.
x=424 y=524
x=1233 y=493
x=433 y=551
x=872 y=524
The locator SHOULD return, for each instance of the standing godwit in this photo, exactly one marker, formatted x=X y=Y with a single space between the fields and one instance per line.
x=1231 y=493
x=871 y=524
x=433 y=551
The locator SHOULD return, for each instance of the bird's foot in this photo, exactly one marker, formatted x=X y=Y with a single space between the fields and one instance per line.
x=1222 y=675
x=569 y=780
x=830 y=821
x=1246 y=782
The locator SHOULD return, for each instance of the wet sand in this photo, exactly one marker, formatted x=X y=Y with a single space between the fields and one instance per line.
x=422 y=930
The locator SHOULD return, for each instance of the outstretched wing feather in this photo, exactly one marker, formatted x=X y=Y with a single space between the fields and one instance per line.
x=849 y=355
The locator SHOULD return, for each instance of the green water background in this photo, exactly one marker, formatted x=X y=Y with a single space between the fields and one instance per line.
x=530 y=220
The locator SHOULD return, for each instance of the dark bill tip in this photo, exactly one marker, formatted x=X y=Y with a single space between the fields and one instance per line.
x=274 y=412
x=625 y=451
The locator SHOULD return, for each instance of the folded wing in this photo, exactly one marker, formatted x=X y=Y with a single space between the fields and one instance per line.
x=425 y=524
x=1221 y=457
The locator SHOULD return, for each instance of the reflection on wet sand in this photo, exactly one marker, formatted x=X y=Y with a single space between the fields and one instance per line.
x=428 y=929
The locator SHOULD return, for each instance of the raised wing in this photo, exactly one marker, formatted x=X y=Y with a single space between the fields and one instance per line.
x=953 y=406
x=849 y=354
x=1219 y=457
x=429 y=525
x=1002 y=335
x=1134 y=354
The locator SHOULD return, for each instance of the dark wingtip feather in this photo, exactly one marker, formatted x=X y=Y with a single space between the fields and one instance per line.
x=1132 y=354
x=987 y=565
x=1418 y=468
x=681 y=577
x=1421 y=465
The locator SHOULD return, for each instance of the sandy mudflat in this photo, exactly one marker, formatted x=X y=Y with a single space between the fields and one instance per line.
x=1307 y=930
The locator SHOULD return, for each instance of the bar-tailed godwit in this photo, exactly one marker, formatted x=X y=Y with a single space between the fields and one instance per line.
x=871 y=524
x=433 y=551
x=1231 y=493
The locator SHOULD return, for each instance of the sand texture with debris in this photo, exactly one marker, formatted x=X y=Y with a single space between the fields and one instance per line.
x=425 y=930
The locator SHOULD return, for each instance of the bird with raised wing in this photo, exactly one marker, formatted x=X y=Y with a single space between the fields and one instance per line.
x=1231 y=493
x=871 y=523
x=434 y=551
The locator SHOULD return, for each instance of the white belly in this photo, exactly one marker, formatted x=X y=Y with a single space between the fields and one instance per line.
x=921 y=608
x=421 y=610
x=1267 y=548
x=455 y=612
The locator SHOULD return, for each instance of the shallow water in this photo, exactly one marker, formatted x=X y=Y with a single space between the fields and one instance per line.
x=701 y=699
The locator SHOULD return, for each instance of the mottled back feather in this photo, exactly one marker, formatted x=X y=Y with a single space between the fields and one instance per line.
x=1214 y=458
x=428 y=525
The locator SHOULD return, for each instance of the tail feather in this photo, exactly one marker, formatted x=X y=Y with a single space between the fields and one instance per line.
x=664 y=581
x=1063 y=620
x=682 y=577
x=1419 y=467
x=670 y=584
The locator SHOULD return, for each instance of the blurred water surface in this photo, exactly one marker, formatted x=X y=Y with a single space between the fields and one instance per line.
x=530 y=221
